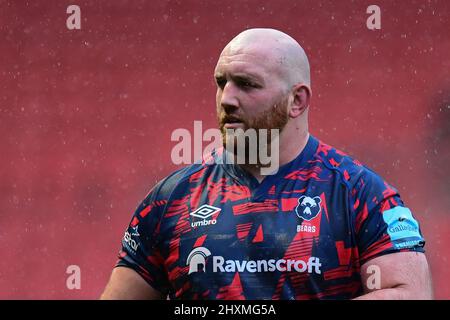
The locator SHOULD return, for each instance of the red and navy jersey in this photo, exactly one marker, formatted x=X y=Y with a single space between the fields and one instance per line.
x=212 y=231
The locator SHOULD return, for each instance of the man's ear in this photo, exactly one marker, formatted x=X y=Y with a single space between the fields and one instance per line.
x=302 y=97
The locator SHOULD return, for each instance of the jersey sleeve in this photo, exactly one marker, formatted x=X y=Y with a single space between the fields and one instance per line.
x=139 y=244
x=383 y=224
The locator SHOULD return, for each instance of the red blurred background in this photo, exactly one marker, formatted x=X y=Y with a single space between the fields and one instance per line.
x=86 y=116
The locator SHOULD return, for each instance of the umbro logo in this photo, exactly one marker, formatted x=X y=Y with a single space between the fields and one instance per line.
x=204 y=212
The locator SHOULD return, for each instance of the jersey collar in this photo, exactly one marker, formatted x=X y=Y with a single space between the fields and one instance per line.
x=259 y=189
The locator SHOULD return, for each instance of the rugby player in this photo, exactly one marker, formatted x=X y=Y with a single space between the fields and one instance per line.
x=323 y=226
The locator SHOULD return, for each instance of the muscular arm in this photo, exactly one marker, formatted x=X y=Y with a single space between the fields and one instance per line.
x=127 y=284
x=403 y=275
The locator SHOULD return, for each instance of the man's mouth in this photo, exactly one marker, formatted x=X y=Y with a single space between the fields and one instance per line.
x=232 y=123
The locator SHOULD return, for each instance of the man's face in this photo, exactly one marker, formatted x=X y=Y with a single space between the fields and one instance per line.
x=250 y=92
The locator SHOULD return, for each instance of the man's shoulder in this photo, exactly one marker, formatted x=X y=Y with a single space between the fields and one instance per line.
x=350 y=170
x=176 y=184
x=168 y=184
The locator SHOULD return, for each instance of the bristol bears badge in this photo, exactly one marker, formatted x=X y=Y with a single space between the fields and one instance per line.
x=308 y=208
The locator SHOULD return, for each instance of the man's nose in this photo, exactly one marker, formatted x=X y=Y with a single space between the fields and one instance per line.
x=229 y=99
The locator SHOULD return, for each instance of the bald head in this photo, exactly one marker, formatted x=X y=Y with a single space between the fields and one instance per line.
x=279 y=51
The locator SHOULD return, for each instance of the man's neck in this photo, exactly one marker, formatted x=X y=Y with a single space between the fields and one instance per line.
x=289 y=150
